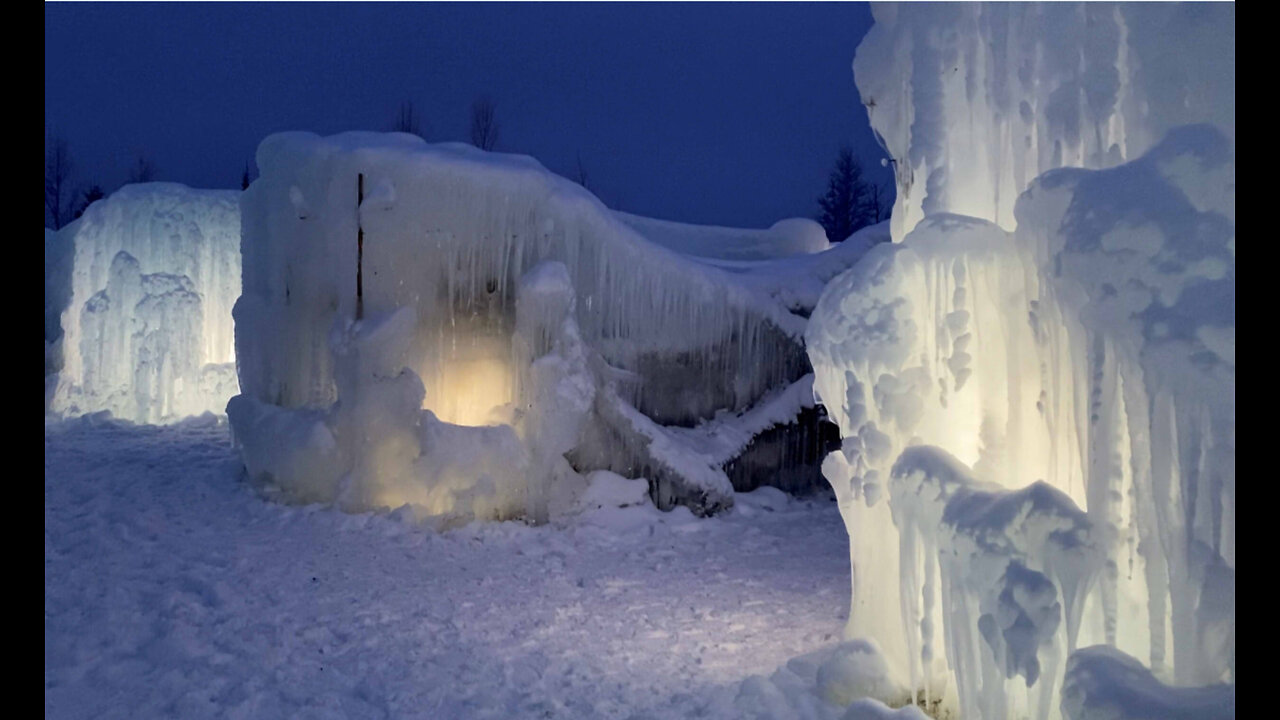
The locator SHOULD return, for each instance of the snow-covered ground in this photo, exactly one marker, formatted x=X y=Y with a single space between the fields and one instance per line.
x=173 y=590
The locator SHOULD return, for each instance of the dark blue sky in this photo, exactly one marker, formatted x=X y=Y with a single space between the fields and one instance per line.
x=719 y=113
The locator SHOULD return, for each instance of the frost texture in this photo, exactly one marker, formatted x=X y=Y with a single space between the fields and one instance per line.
x=1070 y=357
x=144 y=283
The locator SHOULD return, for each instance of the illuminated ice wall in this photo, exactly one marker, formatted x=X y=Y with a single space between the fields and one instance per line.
x=143 y=292
x=1036 y=385
x=522 y=310
x=973 y=101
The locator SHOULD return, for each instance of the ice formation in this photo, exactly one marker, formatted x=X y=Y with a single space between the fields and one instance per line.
x=536 y=314
x=57 y=291
x=1102 y=682
x=973 y=101
x=141 y=288
x=1037 y=398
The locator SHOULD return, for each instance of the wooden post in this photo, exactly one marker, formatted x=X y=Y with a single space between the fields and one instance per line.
x=359 y=249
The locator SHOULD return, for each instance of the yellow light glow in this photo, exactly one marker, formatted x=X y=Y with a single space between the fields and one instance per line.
x=471 y=381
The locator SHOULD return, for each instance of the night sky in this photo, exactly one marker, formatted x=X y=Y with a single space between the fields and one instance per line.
x=722 y=113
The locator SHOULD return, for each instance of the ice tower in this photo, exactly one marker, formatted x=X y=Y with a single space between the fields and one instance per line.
x=1036 y=383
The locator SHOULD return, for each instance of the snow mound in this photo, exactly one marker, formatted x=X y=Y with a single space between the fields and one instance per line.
x=1104 y=683
x=856 y=670
x=610 y=490
x=847 y=680
x=762 y=499
x=792 y=236
x=870 y=709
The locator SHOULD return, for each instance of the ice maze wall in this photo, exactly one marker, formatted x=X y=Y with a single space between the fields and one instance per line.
x=1037 y=398
x=456 y=237
x=143 y=298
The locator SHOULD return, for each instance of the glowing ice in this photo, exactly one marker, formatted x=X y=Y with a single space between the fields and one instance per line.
x=1070 y=355
x=535 y=311
x=973 y=101
x=144 y=288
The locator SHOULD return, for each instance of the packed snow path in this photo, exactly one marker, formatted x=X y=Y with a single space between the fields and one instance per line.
x=173 y=590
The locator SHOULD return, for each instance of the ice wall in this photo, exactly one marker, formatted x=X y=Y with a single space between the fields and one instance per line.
x=57 y=293
x=449 y=230
x=1092 y=350
x=154 y=271
x=973 y=101
x=1076 y=346
x=458 y=235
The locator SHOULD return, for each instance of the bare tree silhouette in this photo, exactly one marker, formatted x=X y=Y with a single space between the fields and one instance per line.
x=581 y=173
x=88 y=197
x=57 y=179
x=407 y=121
x=484 y=124
x=143 y=170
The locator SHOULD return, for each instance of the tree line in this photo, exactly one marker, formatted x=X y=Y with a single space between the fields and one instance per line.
x=851 y=202
x=65 y=198
x=483 y=131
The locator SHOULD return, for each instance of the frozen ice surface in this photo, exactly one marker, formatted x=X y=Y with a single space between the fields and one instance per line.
x=1114 y=384
x=142 y=287
x=462 y=229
